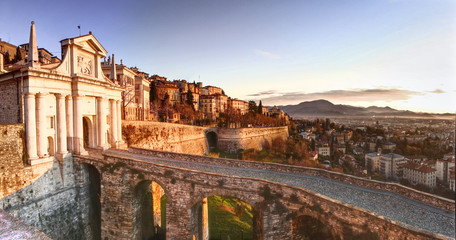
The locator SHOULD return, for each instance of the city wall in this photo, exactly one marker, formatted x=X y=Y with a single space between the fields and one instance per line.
x=44 y=196
x=161 y=136
x=233 y=139
x=430 y=199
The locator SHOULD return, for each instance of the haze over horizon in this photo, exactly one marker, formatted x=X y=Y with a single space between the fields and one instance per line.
x=396 y=53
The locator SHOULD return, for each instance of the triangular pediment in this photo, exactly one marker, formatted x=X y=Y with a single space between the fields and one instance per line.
x=90 y=43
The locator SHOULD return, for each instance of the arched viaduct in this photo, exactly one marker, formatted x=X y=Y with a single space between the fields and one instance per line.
x=281 y=211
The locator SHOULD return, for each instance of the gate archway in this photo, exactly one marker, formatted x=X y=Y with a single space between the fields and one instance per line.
x=211 y=140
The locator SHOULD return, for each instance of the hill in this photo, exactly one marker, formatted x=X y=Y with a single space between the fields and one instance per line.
x=324 y=108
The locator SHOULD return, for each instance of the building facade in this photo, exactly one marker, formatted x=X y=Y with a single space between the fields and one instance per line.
x=391 y=165
x=417 y=173
x=65 y=107
x=372 y=161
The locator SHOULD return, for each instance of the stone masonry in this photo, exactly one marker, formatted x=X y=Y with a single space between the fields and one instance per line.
x=165 y=136
x=43 y=196
x=234 y=139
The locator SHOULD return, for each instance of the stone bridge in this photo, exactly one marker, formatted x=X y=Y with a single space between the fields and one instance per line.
x=284 y=200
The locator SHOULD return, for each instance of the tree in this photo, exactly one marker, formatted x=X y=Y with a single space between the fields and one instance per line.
x=260 y=108
x=17 y=56
x=252 y=107
x=153 y=96
x=166 y=108
x=6 y=58
x=189 y=100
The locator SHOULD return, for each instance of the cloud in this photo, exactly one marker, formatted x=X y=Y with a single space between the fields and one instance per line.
x=437 y=91
x=267 y=54
x=264 y=93
x=351 y=95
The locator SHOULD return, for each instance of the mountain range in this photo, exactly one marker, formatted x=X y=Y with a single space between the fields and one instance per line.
x=324 y=108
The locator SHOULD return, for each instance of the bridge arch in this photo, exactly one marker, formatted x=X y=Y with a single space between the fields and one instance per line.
x=222 y=214
x=149 y=204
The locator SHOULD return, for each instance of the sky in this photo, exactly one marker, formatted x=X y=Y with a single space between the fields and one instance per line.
x=396 y=53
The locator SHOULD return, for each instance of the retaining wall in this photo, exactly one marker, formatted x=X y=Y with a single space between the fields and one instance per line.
x=165 y=136
x=233 y=139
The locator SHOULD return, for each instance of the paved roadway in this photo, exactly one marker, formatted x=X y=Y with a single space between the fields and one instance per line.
x=391 y=205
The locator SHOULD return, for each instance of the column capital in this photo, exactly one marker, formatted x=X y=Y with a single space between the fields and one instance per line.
x=40 y=94
x=29 y=94
x=59 y=95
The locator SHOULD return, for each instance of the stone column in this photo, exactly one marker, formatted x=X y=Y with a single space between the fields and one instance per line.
x=30 y=126
x=101 y=123
x=61 y=126
x=41 y=125
x=69 y=122
x=78 y=126
x=119 y=122
x=205 y=215
x=200 y=221
x=113 y=122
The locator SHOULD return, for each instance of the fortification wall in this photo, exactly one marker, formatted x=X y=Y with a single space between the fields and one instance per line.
x=43 y=196
x=233 y=139
x=161 y=136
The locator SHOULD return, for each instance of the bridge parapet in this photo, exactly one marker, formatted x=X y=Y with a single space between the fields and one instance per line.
x=430 y=199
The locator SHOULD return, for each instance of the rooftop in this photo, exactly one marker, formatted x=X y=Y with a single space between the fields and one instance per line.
x=419 y=167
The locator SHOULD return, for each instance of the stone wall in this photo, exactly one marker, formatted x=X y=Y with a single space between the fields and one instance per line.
x=44 y=196
x=165 y=136
x=10 y=102
x=273 y=204
x=233 y=139
x=427 y=198
x=12 y=228
x=13 y=174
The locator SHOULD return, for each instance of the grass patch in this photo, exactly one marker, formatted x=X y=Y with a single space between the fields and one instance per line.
x=232 y=217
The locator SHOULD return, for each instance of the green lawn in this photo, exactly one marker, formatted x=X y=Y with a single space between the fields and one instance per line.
x=232 y=217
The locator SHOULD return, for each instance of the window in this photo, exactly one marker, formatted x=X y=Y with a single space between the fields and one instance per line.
x=51 y=122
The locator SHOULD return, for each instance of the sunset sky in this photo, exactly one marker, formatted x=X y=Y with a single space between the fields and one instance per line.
x=397 y=53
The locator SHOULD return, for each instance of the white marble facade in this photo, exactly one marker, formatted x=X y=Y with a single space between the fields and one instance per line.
x=70 y=106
